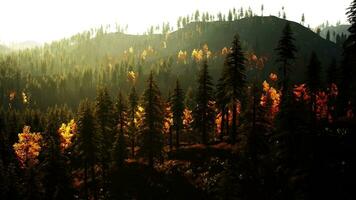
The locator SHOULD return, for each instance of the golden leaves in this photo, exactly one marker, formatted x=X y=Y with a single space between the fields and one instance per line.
x=66 y=133
x=28 y=147
x=182 y=56
x=197 y=55
x=272 y=96
x=187 y=119
x=168 y=119
x=131 y=76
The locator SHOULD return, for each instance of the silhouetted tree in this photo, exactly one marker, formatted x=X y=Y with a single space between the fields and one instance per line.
x=235 y=82
x=313 y=82
x=348 y=84
x=119 y=149
x=286 y=51
x=87 y=146
x=177 y=103
x=132 y=129
x=204 y=112
x=152 y=138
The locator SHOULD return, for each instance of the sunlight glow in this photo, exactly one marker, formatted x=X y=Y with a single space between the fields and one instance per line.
x=47 y=20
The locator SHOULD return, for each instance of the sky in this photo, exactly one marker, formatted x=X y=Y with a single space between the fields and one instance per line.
x=48 y=20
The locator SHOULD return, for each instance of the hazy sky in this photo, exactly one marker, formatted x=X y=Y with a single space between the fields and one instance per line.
x=46 y=20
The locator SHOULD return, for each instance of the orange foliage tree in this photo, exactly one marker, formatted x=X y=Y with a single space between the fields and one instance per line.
x=28 y=147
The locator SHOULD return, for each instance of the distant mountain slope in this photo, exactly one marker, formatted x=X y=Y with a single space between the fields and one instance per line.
x=258 y=34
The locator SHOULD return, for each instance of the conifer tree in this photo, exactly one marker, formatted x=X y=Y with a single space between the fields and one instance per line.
x=87 y=146
x=235 y=82
x=119 y=150
x=177 y=109
x=348 y=69
x=132 y=129
x=105 y=121
x=204 y=112
x=313 y=82
x=152 y=127
x=286 y=51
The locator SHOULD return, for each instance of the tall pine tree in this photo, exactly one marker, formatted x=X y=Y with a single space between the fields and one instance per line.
x=235 y=82
x=177 y=103
x=152 y=127
x=87 y=147
x=204 y=112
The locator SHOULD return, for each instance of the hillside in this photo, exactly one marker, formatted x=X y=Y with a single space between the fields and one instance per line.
x=259 y=35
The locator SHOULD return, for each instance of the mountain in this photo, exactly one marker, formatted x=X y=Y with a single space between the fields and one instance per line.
x=259 y=35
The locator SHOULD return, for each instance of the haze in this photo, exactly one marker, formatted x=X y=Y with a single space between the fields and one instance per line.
x=47 y=20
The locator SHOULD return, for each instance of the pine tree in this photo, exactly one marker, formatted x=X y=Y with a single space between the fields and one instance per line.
x=56 y=175
x=119 y=150
x=105 y=121
x=222 y=104
x=177 y=109
x=347 y=87
x=87 y=146
x=229 y=17
x=313 y=82
x=286 y=51
x=332 y=74
x=328 y=35
x=132 y=129
x=204 y=112
x=152 y=141
x=235 y=82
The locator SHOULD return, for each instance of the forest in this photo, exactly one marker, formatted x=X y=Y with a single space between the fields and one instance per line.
x=236 y=105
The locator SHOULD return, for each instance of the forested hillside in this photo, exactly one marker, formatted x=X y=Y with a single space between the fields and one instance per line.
x=233 y=106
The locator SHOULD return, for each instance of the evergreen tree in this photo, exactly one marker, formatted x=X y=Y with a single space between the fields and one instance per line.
x=105 y=121
x=56 y=175
x=332 y=74
x=152 y=141
x=235 y=82
x=119 y=150
x=286 y=51
x=328 y=35
x=348 y=84
x=204 y=112
x=132 y=129
x=177 y=109
x=229 y=17
x=222 y=104
x=87 y=147
x=313 y=82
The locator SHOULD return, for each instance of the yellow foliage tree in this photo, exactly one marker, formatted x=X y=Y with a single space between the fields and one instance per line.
x=28 y=147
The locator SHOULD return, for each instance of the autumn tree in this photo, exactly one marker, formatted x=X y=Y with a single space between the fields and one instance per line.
x=152 y=141
x=204 y=111
x=235 y=82
x=177 y=102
